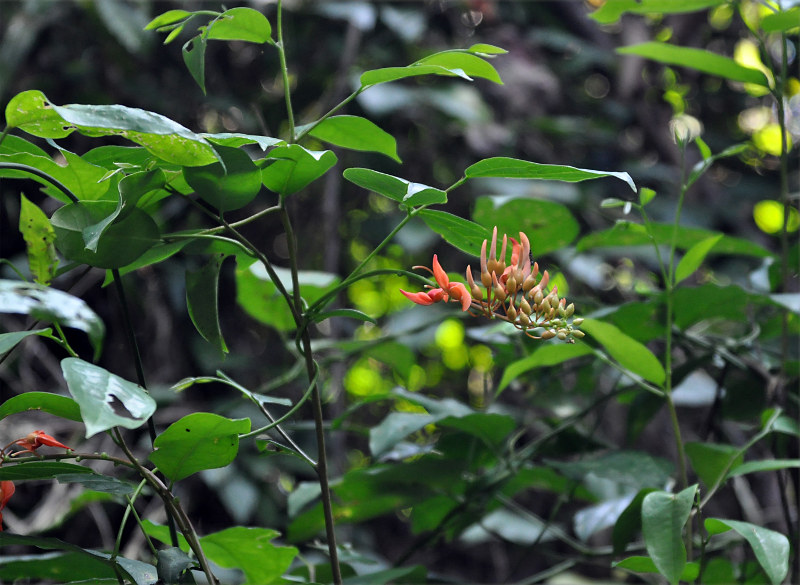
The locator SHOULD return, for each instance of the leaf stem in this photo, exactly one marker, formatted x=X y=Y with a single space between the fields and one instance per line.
x=287 y=90
x=41 y=174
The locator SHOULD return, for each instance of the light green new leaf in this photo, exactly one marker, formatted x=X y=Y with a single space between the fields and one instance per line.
x=782 y=21
x=236 y=139
x=694 y=257
x=52 y=305
x=54 y=404
x=202 y=287
x=771 y=548
x=547 y=355
x=512 y=168
x=167 y=18
x=39 y=237
x=627 y=351
x=95 y=389
x=250 y=550
x=611 y=10
x=32 y=112
x=387 y=74
x=355 y=133
x=294 y=167
x=484 y=49
x=196 y=442
x=80 y=177
x=465 y=235
x=395 y=188
x=646 y=565
x=227 y=185
x=240 y=24
x=663 y=517
x=470 y=64
x=697 y=59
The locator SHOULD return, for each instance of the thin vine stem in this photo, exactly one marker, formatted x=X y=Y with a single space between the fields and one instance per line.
x=41 y=174
x=287 y=90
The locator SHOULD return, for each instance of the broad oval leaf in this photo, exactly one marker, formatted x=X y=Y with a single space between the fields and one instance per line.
x=355 y=133
x=240 y=24
x=39 y=237
x=95 y=389
x=547 y=355
x=470 y=64
x=395 y=188
x=512 y=168
x=781 y=21
x=663 y=517
x=250 y=550
x=711 y=461
x=465 y=235
x=627 y=351
x=196 y=442
x=32 y=112
x=228 y=185
x=62 y=406
x=694 y=257
x=294 y=167
x=201 y=299
x=52 y=305
x=771 y=548
x=697 y=59
x=120 y=244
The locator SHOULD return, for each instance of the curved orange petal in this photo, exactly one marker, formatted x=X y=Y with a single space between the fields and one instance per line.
x=439 y=274
x=42 y=438
x=421 y=298
x=460 y=293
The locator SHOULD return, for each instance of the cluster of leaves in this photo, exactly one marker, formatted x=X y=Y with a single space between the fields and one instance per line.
x=462 y=472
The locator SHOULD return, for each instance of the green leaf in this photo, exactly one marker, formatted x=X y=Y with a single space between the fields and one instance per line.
x=228 y=185
x=697 y=59
x=54 y=404
x=549 y=226
x=194 y=57
x=9 y=340
x=512 y=168
x=663 y=517
x=40 y=470
x=99 y=483
x=484 y=49
x=39 y=237
x=96 y=390
x=611 y=10
x=629 y=523
x=52 y=567
x=235 y=140
x=387 y=74
x=52 y=305
x=631 y=470
x=711 y=460
x=202 y=288
x=766 y=465
x=694 y=257
x=646 y=196
x=83 y=179
x=395 y=188
x=626 y=234
x=771 y=548
x=395 y=427
x=172 y=563
x=32 y=112
x=627 y=351
x=463 y=234
x=548 y=355
x=196 y=442
x=250 y=550
x=240 y=24
x=119 y=243
x=646 y=565
x=781 y=21
x=355 y=133
x=167 y=18
x=348 y=313
x=456 y=60
x=294 y=167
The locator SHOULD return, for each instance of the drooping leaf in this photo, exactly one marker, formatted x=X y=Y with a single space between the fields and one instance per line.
x=463 y=234
x=95 y=389
x=697 y=59
x=294 y=167
x=549 y=226
x=771 y=548
x=694 y=257
x=9 y=340
x=548 y=355
x=196 y=442
x=611 y=10
x=387 y=74
x=395 y=188
x=172 y=563
x=629 y=522
x=627 y=351
x=512 y=168
x=167 y=18
x=52 y=305
x=39 y=237
x=228 y=185
x=250 y=550
x=54 y=404
x=355 y=133
x=663 y=517
x=235 y=140
x=194 y=57
x=348 y=313
x=202 y=287
x=646 y=565
x=32 y=112
x=711 y=460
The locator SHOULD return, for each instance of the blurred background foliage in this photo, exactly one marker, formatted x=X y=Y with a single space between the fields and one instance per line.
x=567 y=99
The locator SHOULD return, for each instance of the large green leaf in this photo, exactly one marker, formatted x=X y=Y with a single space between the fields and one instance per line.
x=395 y=188
x=294 y=167
x=627 y=351
x=96 y=390
x=781 y=21
x=240 y=24
x=631 y=470
x=52 y=567
x=355 y=133
x=39 y=237
x=83 y=179
x=663 y=517
x=54 y=404
x=765 y=465
x=771 y=548
x=548 y=355
x=196 y=442
x=640 y=564
x=202 y=287
x=629 y=522
x=461 y=233
x=512 y=168
x=250 y=550
x=549 y=226
x=697 y=59
x=51 y=305
x=711 y=461
x=470 y=64
x=228 y=185
x=611 y=10
x=32 y=112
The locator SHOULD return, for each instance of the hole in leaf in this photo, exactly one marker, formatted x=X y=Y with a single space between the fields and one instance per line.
x=119 y=408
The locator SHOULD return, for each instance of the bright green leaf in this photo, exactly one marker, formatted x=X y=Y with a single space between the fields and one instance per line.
x=39 y=237
x=235 y=139
x=548 y=355
x=196 y=442
x=167 y=18
x=646 y=565
x=355 y=133
x=54 y=404
x=228 y=185
x=194 y=57
x=781 y=21
x=629 y=523
x=611 y=10
x=463 y=234
x=771 y=548
x=202 y=287
x=470 y=64
x=395 y=188
x=82 y=178
x=484 y=49
x=240 y=24
x=694 y=257
x=646 y=195
x=387 y=74
x=250 y=550
x=627 y=351
x=294 y=167
x=663 y=517
x=96 y=389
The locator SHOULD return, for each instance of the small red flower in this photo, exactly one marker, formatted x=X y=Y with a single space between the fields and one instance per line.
x=446 y=289
x=35 y=440
x=6 y=491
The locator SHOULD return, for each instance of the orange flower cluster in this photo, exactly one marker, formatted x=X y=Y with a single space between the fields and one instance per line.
x=513 y=293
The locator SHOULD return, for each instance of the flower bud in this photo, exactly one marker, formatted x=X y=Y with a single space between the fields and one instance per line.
x=511 y=313
x=577 y=333
x=524 y=320
x=545 y=306
x=562 y=335
x=577 y=322
x=538 y=297
x=524 y=306
x=549 y=334
x=528 y=283
x=511 y=284
x=570 y=309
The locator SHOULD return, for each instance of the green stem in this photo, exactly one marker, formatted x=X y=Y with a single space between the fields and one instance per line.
x=41 y=174
x=130 y=499
x=287 y=90
x=6 y=130
x=63 y=340
x=309 y=127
